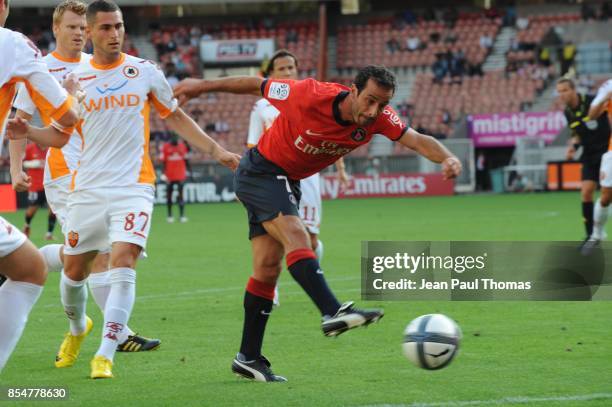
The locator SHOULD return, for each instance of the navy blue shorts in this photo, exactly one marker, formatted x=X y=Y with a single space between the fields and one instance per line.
x=265 y=191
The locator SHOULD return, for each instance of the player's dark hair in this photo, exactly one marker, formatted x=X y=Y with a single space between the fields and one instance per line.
x=379 y=74
x=570 y=82
x=281 y=53
x=100 y=6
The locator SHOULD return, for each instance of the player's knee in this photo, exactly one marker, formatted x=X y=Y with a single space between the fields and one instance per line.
x=29 y=267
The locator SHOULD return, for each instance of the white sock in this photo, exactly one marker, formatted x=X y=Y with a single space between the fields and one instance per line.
x=600 y=217
x=16 y=301
x=51 y=253
x=74 y=299
x=100 y=286
x=319 y=250
x=118 y=309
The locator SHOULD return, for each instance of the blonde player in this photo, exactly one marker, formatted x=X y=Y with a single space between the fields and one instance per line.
x=284 y=65
x=69 y=30
x=112 y=188
x=599 y=105
x=20 y=262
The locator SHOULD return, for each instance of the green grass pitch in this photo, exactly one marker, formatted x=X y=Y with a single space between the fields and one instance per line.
x=189 y=294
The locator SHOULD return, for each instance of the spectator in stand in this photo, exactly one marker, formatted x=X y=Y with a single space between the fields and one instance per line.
x=544 y=57
x=413 y=43
x=393 y=45
x=474 y=67
x=446 y=118
x=170 y=73
x=291 y=36
x=486 y=41
x=450 y=37
x=522 y=23
x=429 y=14
x=439 y=68
x=587 y=12
x=567 y=57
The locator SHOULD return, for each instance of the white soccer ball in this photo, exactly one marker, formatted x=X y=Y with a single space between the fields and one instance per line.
x=431 y=341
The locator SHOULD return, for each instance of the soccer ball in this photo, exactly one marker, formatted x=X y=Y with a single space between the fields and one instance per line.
x=431 y=341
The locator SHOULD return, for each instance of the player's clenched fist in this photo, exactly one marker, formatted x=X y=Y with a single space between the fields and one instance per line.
x=17 y=128
x=188 y=89
x=230 y=160
x=451 y=167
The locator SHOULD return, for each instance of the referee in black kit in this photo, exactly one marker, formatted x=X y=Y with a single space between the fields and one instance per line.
x=592 y=135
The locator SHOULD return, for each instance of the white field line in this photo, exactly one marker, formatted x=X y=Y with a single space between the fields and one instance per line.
x=504 y=401
x=208 y=291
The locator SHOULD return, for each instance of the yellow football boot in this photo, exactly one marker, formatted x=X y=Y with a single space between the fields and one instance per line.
x=101 y=368
x=69 y=351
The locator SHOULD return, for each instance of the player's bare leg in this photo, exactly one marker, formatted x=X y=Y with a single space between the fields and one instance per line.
x=26 y=274
x=74 y=299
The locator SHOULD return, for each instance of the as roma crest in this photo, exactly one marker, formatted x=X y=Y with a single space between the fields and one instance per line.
x=358 y=135
x=130 y=72
x=73 y=239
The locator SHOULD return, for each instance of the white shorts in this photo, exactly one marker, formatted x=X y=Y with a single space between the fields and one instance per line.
x=605 y=170
x=99 y=217
x=57 y=198
x=311 y=209
x=11 y=238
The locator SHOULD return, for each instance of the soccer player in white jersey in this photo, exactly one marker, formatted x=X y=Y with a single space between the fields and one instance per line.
x=284 y=65
x=20 y=262
x=112 y=195
x=69 y=31
x=603 y=103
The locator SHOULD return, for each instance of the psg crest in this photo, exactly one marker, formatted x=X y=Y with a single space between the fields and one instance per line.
x=358 y=135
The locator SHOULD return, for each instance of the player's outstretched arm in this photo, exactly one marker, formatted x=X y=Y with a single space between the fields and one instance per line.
x=433 y=150
x=19 y=179
x=184 y=126
x=191 y=88
x=598 y=106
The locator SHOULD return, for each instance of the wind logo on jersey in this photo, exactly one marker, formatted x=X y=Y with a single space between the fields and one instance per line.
x=111 y=102
x=111 y=89
x=130 y=72
x=73 y=239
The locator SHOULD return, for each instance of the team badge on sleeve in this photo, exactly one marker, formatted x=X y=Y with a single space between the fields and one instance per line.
x=358 y=135
x=73 y=238
x=278 y=91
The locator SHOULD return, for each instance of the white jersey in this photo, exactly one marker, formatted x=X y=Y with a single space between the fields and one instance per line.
x=115 y=121
x=60 y=162
x=262 y=117
x=21 y=62
x=602 y=92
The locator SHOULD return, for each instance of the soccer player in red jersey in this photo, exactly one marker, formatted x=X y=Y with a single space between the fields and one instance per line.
x=34 y=162
x=319 y=122
x=174 y=157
